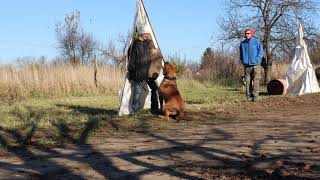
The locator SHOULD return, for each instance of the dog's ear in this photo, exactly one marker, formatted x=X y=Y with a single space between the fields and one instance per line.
x=174 y=66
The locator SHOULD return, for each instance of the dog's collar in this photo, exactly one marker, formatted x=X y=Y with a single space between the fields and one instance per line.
x=170 y=78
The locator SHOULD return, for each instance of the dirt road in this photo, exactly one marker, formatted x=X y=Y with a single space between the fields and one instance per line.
x=274 y=138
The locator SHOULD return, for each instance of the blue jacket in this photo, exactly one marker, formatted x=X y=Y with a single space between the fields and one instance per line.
x=251 y=52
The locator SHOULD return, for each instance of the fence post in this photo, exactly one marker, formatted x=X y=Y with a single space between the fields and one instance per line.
x=95 y=71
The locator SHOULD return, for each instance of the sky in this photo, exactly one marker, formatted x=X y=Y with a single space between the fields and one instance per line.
x=182 y=27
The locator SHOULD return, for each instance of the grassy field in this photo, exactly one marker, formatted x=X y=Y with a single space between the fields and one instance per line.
x=73 y=119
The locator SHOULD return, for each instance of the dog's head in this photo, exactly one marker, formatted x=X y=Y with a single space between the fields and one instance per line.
x=169 y=70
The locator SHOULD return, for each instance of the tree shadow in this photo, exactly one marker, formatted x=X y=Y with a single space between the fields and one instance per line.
x=34 y=165
x=211 y=118
x=89 y=110
x=232 y=164
x=104 y=166
x=28 y=169
x=96 y=117
x=215 y=162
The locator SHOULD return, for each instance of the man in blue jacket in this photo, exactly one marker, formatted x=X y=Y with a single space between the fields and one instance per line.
x=251 y=53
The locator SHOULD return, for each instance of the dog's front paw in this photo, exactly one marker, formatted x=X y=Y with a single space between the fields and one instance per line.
x=164 y=117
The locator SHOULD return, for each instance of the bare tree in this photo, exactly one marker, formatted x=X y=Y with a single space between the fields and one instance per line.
x=275 y=21
x=75 y=45
x=87 y=46
x=314 y=49
x=116 y=50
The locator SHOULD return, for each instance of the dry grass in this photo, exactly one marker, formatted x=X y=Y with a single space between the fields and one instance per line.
x=57 y=80
x=37 y=80
x=279 y=70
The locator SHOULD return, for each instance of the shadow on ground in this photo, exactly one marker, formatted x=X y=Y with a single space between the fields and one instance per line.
x=216 y=163
x=89 y=110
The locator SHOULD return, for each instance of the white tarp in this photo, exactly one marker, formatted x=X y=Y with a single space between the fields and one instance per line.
x=301 y=77
x=141 y=20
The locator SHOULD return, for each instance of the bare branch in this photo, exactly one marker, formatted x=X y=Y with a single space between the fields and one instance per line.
x=74 y=44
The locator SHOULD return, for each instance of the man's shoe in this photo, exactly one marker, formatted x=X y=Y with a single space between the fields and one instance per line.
x=254 y=99
x=156 y=112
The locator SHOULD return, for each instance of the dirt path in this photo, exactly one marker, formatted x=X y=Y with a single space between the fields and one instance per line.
x=272 y=139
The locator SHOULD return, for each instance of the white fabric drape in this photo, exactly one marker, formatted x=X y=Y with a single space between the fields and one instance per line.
x=301 y=77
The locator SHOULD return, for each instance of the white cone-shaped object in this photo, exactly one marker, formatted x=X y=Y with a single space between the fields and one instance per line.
x=141 y=25
x=301 y=77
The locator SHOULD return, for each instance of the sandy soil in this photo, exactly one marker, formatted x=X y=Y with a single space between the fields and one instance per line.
x=275 y=138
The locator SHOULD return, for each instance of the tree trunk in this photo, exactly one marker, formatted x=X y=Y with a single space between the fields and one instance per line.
x=267 y=63
x=267 y=74
x=267 y=66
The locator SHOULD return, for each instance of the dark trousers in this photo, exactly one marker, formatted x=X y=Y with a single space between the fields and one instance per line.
x=251 y=74
x=139 y=93
x=154 y=96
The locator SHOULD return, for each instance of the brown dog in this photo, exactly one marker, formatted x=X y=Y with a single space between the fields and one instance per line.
x=169 y=94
